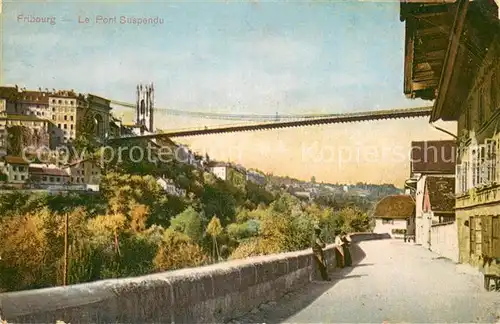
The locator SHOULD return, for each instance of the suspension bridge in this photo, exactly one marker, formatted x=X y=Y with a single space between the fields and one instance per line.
x=268 y=122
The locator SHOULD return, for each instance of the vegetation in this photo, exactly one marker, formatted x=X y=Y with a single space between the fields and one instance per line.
x=132 y=227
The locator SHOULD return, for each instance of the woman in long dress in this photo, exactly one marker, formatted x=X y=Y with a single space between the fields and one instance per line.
x=347 y=253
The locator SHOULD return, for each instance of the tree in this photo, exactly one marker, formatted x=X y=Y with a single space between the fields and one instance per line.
x=214 y=229
x=18 y=138
x=313 y=179
x=190 y=223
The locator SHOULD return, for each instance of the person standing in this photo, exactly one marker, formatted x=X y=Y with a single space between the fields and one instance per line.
x=346 y=249
x=339 y=251
x=317 y=246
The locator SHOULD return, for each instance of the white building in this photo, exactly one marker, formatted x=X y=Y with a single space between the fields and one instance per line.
x=438 y=208
x=428 y=158
x=16 y=169
x=169 y=186
x=220 y=170
x=394 y=215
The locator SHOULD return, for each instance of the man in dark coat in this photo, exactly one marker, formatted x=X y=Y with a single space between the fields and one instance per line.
x=317 y=246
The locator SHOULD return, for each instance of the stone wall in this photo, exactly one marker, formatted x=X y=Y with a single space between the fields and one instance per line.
x=444 y=240
x=212 y=293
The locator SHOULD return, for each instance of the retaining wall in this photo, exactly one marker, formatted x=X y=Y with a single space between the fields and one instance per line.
x=444 y=240
x=212 y=293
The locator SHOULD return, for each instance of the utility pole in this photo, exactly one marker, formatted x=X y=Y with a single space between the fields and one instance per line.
x=65 y=270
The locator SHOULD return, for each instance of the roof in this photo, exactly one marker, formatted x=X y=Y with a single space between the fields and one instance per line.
x=48 y=171
x=437 y=64
x=66 y=94
x=36 y=97
x=24 y=117
x=438 y=157
x=214 y=164
x=441 y=191
x=427 y=29
x=15 y=160
x=395 y=207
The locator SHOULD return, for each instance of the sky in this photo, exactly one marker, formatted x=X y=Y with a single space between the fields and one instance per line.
x=229 y=57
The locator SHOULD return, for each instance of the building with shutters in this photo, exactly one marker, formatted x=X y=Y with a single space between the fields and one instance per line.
x=452 y=56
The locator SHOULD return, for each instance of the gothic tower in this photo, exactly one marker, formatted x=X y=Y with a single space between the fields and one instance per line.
x=145 y=106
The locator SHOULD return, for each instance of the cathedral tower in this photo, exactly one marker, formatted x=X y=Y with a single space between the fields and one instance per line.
x=145 y=106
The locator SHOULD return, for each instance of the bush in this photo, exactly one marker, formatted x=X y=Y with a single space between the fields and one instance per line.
x=178 y=251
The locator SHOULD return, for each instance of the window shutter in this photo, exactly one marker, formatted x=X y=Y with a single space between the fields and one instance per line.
x=473 y=161
x=472 y=235
x=482 y=165
x=486 y=235
x=491 y=160
x=495 y=237
x=465 y=176
x=458 y=181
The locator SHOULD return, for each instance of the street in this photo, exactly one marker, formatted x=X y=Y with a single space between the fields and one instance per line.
x=392 y=282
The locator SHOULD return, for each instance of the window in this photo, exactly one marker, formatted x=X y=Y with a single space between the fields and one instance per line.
x=472 y=235
x=71 y=118
x=65 y=117
x=51 y=179
x=71 y=126
x=15 y=177
x=474 y=165
x=65 y=126
x=58 y=179
x=491 y=158
x=44 y=178
x=58 y=125
x=22 y=177
x=53 y=117
x=482 y=166
x=475 y=235
x=461 y=178
x=60 y=101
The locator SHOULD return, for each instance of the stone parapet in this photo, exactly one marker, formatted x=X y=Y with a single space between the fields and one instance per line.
x=212 y=293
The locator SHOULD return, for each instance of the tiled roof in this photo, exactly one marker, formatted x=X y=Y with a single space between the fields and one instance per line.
x=66 y=94
x=214 y=164
x=48 y=171
x=36 y=97
x=441 y=192
x=24 y=117
x=15 y=160
x=438 y=157
x=395 y=207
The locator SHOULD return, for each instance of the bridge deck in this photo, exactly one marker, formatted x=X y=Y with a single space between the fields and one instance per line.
x=334 y=119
